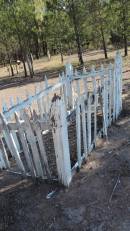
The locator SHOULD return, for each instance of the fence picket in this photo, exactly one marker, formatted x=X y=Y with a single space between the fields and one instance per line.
x=60 y=137
x=32 y=141
x=24 y=143
x=12 y=146
x=44 y=160
x=78 y=132
x=39 y=104
x=84 y=128
x=47 y=95
x=110 y=92
x=89 y=122
x=103 y=87
x=4 y=155
x=85 y=83
x=69 y=76
x=93 y=73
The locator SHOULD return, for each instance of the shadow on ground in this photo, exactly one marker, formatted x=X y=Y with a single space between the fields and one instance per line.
x=97 y=200
x=15 y=81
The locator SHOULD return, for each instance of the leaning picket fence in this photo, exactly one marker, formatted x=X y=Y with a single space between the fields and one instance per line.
x=49 y=134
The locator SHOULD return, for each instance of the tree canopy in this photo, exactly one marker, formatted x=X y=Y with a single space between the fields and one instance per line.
x=41 y=27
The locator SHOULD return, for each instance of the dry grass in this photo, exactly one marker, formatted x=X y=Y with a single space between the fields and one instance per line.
x=41 y=65
x=52 y=67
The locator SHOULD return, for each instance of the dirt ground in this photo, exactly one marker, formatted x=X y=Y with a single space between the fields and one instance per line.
x=98 y=198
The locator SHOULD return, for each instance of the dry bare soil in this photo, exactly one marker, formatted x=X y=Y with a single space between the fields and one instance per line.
x=98 y=198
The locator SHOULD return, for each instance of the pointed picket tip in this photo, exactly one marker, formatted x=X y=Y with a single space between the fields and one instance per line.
x=18 y=100
x=69 y=69
x=76 y=72
x=93 y=67
x=102 y=68
x=84 y=70
x=46 y=81
x=37 y=90
x=62 y=98
x=110 y=66
x=118 y=57
x=59 y=80
x=63 y=75
x=17 y=117
x=4 y=106
x=2 y=118
x=26 y=94
x=118 y=53
x=11 y=101
x=93 y=70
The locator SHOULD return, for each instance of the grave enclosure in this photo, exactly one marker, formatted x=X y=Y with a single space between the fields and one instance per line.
x=49 y=134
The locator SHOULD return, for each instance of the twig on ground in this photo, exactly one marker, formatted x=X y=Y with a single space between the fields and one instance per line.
x=118 y=180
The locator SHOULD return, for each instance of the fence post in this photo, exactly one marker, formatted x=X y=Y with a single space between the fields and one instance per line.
x=93 y=74
x=61 y=142
x=84 y=125
x=85 y=82
x=103 y=87
x=4 y=109
x=33 y=144
x=69 y=77
x=4 y=162
x=39 y=102
x=47 y=97
x=11 y=143
x=13 y=132
x=78 y=131
x=64 y=89
x=118 y=84
x=110 y=85
x=89 y=121
x=77 y=82
x=25 y=147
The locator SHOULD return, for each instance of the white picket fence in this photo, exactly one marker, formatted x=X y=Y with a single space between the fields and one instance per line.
x=89 y=100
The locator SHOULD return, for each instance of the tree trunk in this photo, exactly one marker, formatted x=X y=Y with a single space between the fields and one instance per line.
x=125 y=46
x=44 y=47
x=48 y=55
x=77 y=34
x=104 y=43
x=16 y=66
x=24 y=66
x=20 y=44
x=37 y=40
x=125 y=25
x=11 y=68
x=62 y=59
x=61 y=53
x=30 y=65
x=79 y=49
x=37 y=48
